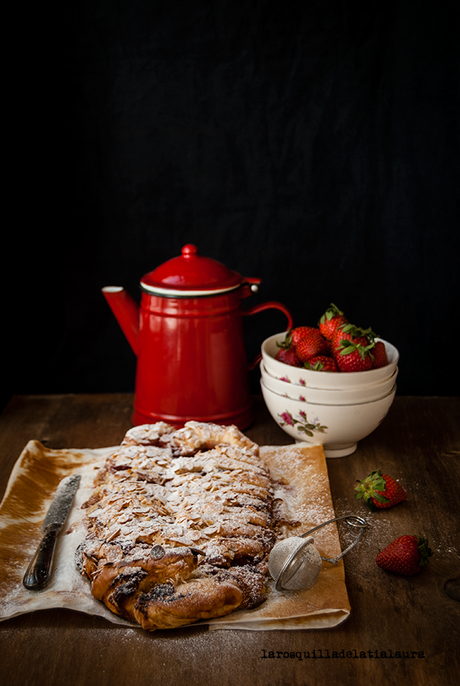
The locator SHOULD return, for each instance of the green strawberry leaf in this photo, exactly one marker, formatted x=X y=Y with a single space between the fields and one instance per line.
x=368 y=487
x=348 y=349
x=370 y=504
x=330 y=313
x=424 y=550
x=380 y=498
x=286 y=344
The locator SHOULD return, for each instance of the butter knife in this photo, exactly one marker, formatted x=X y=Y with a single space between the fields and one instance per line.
x=39 y=570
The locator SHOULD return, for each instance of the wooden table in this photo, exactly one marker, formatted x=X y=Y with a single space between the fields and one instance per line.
x=418 y=443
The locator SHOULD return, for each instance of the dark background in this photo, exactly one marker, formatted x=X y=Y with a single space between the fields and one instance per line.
x=311 y=144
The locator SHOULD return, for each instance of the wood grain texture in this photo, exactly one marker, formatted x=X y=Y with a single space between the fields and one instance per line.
x=418 y=443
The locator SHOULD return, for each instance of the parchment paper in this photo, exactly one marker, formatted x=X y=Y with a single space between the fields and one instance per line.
x=301 y=480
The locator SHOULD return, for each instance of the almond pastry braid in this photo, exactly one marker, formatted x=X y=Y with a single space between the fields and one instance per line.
x=179 y=526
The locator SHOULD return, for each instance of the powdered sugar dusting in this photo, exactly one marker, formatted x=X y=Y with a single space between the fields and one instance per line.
x=300 y=476
x=301 y=481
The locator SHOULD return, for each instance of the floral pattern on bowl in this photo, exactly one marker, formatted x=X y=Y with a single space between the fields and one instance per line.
x=299 y=382
x=285 y=388
x=302 y=425
x=337 y=427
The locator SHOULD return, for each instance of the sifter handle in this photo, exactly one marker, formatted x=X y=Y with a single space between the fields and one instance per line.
x=351 y=520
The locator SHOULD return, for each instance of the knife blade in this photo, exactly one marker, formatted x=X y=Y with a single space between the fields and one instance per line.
x=38 y=572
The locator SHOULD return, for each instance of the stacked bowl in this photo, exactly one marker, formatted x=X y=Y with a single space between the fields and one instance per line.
x=336 y=409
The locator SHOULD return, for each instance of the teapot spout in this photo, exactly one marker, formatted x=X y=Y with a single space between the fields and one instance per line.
x=126 y=313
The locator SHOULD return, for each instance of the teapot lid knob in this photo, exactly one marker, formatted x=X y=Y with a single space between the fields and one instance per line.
x=189 y=250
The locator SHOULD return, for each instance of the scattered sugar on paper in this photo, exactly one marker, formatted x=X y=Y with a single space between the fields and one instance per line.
x=310 y=504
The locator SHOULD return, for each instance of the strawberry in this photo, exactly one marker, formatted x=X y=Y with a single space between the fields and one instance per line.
x=293 y=336
x=379 y=354
x=300 y=332
x=351 y=348
x=322 y=363
x=288 y=356
x=286 y=352
x=405 y=555
x=310 y=345
x=330 y=321
x=380 y=491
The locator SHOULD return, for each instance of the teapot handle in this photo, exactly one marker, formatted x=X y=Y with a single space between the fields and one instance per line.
x=270 y=305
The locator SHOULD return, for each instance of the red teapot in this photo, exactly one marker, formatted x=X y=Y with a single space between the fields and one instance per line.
x=189 y=341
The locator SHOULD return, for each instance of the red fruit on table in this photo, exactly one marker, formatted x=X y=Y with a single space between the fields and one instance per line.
x=380 y=491
x=406 y=555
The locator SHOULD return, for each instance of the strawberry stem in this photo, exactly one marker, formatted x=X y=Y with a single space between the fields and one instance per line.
x=368 y=487
x=424 y=550
x=286 y=344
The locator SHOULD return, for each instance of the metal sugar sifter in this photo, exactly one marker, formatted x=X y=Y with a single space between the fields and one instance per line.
x=295 y=562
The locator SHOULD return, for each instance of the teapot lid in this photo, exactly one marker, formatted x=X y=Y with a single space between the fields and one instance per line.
x=190 y=275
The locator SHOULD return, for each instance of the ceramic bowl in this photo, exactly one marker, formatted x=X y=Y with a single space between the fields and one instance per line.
x=318 y=395
x=331 y=380
x=337 y=427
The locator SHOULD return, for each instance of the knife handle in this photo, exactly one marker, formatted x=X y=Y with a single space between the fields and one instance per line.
x=38 y=572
